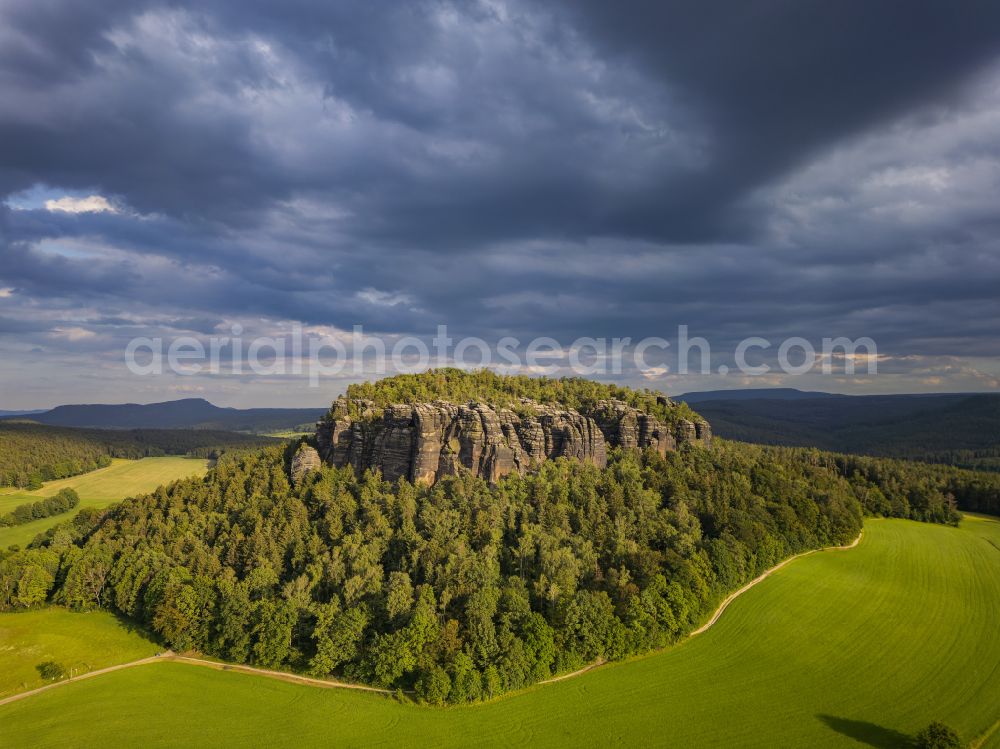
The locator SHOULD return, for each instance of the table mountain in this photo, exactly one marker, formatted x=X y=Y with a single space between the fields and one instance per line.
x=422 y=442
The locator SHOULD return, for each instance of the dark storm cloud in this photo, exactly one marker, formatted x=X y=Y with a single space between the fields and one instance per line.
x=778 y=80
x=579 y=168
x=754 y=87
x=47 y=41
x=476 y=126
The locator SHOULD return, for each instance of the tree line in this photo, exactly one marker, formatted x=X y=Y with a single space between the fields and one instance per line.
x=31 y=454
x=907 y=488
x=461 y=591
x=63 y=501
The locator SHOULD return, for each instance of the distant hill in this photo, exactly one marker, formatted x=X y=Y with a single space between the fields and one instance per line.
x=751 y=394
x=21 y=413
x=954 y=428
x=188 y=413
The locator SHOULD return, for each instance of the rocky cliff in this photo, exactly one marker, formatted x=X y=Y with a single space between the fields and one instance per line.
x=424 y=441
x=306 y=459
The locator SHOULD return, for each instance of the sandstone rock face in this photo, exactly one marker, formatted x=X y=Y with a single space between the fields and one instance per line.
x=423 y=442
x=305 y=459
x=627 y=427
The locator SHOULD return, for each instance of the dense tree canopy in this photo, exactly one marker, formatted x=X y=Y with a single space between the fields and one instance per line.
x=460 y=386
x=460 y=591
x=902 y=488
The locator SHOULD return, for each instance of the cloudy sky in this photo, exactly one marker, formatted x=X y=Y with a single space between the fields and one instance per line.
x=563 y=169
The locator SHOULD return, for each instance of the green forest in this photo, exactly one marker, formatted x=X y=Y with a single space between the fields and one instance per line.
x=507 y=391
x=31 y=454
x=463 y=591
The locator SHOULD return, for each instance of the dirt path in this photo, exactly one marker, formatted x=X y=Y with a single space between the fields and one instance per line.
x=985 y=736
x=81 y=677
x=281 y=675
x=171 y=657
x=733 y=596
x=583 y=670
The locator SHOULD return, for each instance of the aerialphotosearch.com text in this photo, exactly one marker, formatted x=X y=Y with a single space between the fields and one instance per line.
x=320 y=356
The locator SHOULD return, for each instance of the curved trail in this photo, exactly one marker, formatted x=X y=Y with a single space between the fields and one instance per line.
x=171 y=657
x=722 y=606
x=733 y=596
x=578 y=672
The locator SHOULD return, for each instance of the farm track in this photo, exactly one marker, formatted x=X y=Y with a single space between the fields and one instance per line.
x=281 y=675
x=81 y=677
x=172 y=657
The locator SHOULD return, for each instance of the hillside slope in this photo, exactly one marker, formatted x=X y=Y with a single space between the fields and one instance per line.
x=862 y=647
x=960 y=429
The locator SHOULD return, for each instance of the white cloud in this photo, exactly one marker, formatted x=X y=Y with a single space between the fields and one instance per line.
x=74 y=334
x=5 y=293
x=936 y=179
x=383 y=298
x=89 y=204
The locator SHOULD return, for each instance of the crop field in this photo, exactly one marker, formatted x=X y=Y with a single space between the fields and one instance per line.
x=861 y=647
x=100 y=488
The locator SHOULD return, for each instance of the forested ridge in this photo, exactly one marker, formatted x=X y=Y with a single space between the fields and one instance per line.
x=32 y=453
x=956 y=429
x=462 y=591
x=508 y=391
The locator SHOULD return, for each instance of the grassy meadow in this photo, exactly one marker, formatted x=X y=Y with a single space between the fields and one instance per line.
x=77 y=642
x=100 y=488
x=843 y=648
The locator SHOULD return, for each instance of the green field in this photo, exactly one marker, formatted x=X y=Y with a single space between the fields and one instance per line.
x=100 y=488
x=289 y=434
x=842 y=648
x=77 y=642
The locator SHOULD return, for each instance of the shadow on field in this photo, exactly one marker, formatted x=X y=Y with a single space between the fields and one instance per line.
x=868 y=733
x=134 y=628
